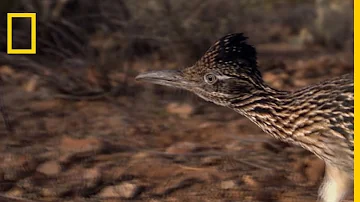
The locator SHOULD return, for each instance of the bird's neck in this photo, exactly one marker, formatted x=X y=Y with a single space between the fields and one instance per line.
x=269 y=109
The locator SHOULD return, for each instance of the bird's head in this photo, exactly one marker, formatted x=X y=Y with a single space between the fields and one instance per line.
x=227 y=71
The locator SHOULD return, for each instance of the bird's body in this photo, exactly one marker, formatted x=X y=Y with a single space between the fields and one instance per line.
x=320 y=117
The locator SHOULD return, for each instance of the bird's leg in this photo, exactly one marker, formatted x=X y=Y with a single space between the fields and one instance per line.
x=336 y=185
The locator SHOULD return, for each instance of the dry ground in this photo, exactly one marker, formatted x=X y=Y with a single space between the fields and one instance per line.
x=155 y=143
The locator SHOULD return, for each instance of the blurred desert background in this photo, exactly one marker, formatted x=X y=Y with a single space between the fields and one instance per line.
x=76 y=126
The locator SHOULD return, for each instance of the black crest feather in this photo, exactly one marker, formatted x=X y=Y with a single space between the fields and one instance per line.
x=234 y=47
x=232 y=51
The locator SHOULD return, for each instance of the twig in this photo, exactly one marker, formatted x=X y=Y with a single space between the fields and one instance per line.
x=82 y=97
x=252 y=164
x=4 y=197
x=5 y=116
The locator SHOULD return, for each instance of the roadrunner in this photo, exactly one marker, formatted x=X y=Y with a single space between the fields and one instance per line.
x=320 y=117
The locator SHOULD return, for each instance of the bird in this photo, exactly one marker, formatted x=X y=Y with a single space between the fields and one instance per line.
x=318 y=117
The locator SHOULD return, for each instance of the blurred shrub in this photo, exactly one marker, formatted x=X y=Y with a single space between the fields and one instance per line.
x=105 y=34
x=74 y=28
x=333 y=25
x=334 y=22
x=69 y=28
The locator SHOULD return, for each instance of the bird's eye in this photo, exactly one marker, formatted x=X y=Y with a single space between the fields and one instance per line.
x=210 y=78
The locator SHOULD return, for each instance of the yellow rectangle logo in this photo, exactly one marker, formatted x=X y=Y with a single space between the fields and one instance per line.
x=10 y=49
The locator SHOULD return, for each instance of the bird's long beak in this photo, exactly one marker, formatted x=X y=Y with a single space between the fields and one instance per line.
x=172 y=78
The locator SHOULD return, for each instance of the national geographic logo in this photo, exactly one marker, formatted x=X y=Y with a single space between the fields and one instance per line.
x=10 y=49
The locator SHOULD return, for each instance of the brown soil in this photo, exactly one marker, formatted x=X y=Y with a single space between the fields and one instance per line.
x=156 y=144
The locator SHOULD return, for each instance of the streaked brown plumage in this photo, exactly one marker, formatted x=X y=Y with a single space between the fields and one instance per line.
x=320 y=117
